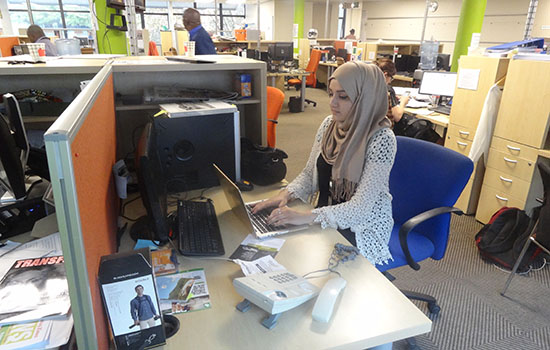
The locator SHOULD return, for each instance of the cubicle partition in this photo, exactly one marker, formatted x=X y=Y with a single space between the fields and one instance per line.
x=81 y=148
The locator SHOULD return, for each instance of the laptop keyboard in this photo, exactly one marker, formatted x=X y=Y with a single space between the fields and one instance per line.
x=198 y=229
x=259 y=220
x=441 y=109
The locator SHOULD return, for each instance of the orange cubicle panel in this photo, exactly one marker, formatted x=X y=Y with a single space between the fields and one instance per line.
x=93 y=156
x=7 y=43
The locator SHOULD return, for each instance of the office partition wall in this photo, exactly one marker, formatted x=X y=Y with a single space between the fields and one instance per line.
x=81 y=149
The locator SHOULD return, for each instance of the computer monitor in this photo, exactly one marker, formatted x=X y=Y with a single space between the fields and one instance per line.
x=438 y=83
x=118 y=4
x=152 y=187
x=15 y=122
x=343 y=53
x=140 y=5
x=443 y=61
x=12 y=174
x=283 y=51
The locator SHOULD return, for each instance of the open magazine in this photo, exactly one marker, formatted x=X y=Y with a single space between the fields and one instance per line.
x=33 y=289
x=183 y=292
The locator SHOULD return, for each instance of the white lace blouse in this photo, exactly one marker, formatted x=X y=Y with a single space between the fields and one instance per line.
x=368 y=213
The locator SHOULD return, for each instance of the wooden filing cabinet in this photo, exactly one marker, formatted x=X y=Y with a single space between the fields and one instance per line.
x=465 y=114
x=521 y=133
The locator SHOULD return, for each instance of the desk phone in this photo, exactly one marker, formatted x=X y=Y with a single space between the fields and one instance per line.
x=275 y=292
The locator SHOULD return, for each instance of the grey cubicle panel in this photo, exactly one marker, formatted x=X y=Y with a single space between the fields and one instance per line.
x=69 y=153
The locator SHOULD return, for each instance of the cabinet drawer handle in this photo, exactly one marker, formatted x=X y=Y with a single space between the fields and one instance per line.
x=501 y=198
x=463 y=132
x=513 y=148
x=505 y=179
x=510 y=160
x=463 y=144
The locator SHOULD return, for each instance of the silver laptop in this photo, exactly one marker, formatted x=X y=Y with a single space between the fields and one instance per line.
x=255 y=223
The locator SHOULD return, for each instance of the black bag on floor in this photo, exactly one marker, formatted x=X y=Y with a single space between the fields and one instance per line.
x=262 y=165
x=294 y=104
x=502 y=239
x=422 y=129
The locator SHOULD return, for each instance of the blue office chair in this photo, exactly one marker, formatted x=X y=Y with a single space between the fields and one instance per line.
x=425 y=182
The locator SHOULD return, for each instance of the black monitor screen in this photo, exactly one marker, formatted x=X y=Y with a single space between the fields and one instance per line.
x=151 y=184
x=119 y=4
x=281 y=51
x=15 y=122
x=12 y=176
x=140 y=5
x=343 y=53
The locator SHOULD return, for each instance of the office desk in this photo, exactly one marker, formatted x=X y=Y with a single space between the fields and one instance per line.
x=441 y=121
x=298 y=74
x=371 y=311
x=325 y=71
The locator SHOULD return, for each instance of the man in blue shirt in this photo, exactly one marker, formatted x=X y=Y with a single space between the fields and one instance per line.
x=142 y=309
x=203 y=42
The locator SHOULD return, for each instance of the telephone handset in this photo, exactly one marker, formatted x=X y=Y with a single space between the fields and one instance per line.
x=275 y=292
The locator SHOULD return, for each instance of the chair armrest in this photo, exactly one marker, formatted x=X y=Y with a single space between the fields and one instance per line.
x=273 y=121
x=413 y=222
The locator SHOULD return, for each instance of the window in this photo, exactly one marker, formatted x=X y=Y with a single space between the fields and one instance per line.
x=62 y=18
x=341 y=21
x=156 y=19
x=225 y=18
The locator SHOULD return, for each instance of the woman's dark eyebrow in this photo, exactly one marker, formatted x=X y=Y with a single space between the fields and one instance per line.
x=340 y=91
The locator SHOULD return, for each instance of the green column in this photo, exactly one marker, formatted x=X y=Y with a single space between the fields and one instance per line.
x=108 y=40
x=299 y=6
x=471 y=21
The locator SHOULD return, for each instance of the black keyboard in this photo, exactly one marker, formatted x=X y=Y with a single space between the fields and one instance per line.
x=198 y=229
x=441 y=109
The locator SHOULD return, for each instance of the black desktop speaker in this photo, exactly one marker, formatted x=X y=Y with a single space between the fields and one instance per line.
x=189 y=145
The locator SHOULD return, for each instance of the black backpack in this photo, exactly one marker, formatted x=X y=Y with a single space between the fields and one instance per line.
x=422 y=129
x=262 y=165
x=502 y=239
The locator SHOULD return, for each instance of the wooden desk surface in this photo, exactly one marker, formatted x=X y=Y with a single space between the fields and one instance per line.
x=288 y=74
x=328 y=64
x=370 y=312
x=436 y=118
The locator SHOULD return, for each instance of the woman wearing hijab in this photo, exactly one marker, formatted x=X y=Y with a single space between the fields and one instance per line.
x=349 y=165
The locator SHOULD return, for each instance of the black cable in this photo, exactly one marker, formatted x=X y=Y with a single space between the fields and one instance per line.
x=134 y=146
x=123 y=207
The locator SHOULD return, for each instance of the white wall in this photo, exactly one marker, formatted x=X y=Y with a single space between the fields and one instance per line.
x=284 y=20
x=504 y=21
x=541 y=27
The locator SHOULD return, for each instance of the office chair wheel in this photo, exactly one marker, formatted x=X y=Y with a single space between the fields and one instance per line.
x=411 y=344
x=434 y=308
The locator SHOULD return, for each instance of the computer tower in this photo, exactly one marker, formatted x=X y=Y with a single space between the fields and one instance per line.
x=192 y=137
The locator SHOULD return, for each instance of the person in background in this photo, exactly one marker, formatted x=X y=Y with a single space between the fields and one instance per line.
x=349 y=166
x=396 y=106
x=351 y=35
x=36 y=35
x=203 y=42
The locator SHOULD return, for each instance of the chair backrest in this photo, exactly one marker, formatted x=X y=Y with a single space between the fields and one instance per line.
x=153 y=51
x=426 y=176
x=275 y=100
x=312 y=65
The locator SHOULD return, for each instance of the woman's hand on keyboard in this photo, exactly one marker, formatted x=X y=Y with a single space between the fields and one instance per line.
x=285 y=215
x=280 y=200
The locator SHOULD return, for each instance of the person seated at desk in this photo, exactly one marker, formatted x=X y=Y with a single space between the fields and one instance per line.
x=396 y=106
x=203 y=42
x=349 y=165
x=351 y=35
x=36 y=35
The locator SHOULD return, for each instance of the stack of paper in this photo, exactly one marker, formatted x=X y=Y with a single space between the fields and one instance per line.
x=34 y=312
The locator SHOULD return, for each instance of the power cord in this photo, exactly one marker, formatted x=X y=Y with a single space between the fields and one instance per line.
x=340 y=254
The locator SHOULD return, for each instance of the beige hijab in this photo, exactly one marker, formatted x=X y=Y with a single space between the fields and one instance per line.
x=344 y=144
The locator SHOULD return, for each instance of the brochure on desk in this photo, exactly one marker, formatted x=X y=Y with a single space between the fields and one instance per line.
x=128 y=290
x=184 y=291
x=33 y=289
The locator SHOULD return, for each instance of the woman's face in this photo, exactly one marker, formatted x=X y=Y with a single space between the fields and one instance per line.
x=340 y=102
